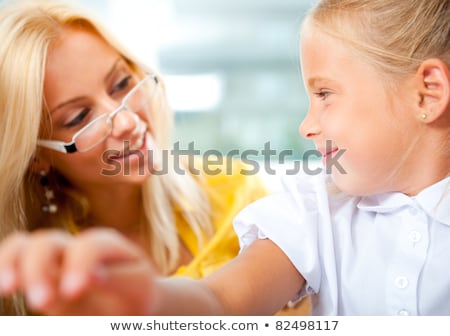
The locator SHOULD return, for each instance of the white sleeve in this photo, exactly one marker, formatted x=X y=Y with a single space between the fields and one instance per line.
x=290 y=220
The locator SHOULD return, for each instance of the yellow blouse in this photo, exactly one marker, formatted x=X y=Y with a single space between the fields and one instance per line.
x=228 y=194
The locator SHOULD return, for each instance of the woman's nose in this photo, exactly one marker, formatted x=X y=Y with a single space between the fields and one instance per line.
x=124 y=123
x=309 y=127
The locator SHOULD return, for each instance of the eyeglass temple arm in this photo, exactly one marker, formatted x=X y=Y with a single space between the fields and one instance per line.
x=58 y=146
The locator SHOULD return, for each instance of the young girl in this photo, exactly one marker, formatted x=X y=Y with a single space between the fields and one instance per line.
x=74 y=106
x=371 y=238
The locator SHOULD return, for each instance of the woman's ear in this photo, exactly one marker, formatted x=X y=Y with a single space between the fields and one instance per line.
x=39 y=164
x=434 y=89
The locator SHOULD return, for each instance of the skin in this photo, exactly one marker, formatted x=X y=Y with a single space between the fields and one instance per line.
x=82 y=273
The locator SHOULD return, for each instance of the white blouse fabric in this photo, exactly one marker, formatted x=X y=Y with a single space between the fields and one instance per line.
x=387 y=254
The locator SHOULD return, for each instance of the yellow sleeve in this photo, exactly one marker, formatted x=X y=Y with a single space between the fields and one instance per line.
x=229 y=192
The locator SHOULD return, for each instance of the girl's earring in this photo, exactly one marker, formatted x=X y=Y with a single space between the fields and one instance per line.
x=49 y=205
x=423 y=115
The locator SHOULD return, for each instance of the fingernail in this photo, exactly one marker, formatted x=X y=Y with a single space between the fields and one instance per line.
x=71 y=283
x=7 y=280
x=37 y=295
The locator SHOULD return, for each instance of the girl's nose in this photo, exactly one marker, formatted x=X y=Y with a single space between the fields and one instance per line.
x=309 y=127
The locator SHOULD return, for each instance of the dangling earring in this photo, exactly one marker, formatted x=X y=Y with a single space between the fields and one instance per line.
x=423 y=115
x=49 y=206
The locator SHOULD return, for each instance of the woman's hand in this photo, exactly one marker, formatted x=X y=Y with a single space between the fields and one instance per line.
x=98 y=272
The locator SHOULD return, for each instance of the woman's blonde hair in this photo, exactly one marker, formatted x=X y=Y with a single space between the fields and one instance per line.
x=27 y=29
x=395 y=36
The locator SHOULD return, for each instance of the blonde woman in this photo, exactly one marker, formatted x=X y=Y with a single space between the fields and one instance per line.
x=75 y=105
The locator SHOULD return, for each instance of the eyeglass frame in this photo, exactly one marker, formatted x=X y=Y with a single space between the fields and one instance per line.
x=70 y=147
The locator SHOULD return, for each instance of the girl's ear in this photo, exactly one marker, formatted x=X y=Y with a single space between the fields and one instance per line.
x=434 y=89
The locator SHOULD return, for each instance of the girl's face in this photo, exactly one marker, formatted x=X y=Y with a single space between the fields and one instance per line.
x=85 y=78
x=365 y=138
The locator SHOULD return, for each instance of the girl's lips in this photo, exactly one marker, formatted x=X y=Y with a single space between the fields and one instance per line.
x=327 y=152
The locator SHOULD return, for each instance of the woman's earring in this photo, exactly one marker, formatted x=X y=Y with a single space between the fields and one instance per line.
x=49 y=206
x=423 y=115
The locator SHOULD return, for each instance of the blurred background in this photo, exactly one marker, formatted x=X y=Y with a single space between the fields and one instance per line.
x=231 y=67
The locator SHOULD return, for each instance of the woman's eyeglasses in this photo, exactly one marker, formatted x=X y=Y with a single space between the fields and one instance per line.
x=96 y=131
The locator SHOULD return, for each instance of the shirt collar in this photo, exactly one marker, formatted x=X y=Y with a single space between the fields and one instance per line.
x=434 y=200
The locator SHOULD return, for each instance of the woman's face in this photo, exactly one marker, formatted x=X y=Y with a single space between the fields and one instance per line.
x=85 y=78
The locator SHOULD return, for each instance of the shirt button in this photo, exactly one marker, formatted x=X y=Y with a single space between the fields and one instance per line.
x=401 y=282
x=415 y=236
x=403 y=312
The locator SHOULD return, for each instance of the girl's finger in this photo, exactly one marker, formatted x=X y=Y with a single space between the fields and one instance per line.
x=91 y=254
x=10 y=254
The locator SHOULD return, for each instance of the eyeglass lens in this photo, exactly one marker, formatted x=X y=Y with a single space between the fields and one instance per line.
x=99 y=129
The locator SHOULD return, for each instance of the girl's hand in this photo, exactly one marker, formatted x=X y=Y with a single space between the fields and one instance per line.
x=97 y=272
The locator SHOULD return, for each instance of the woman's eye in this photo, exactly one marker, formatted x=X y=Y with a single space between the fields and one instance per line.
x=79 y=119
x=123 y=85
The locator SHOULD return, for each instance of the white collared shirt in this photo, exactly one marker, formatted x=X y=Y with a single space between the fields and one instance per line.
x=387 y=254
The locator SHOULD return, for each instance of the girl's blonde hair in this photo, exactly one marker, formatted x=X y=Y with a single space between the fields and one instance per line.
x=27 y=29
x=395 y=36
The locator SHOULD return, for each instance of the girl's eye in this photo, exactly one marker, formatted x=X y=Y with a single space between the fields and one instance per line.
x=322 y=94
x=78 y=119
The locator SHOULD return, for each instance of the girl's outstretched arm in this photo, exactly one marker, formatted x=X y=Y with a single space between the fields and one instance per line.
x=100 y=272
x=260 y=281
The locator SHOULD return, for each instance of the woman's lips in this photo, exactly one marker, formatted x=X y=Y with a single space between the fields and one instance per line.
x=138 y=145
